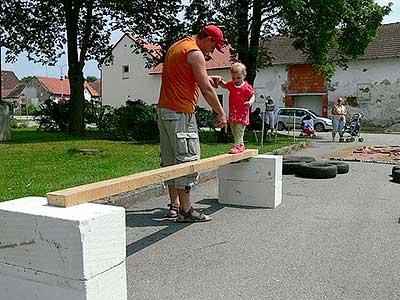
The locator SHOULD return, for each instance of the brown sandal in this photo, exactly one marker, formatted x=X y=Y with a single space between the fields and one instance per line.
x=189 y=217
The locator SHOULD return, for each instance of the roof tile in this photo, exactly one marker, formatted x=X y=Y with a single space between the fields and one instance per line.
x=56 y=86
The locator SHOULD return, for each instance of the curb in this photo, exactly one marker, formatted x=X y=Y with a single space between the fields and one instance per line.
x=291 y=148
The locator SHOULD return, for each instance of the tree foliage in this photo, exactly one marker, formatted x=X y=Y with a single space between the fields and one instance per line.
x=26 y=79
x=91 y=78
x=316 y=26
x=43 y=28
x=332 y=31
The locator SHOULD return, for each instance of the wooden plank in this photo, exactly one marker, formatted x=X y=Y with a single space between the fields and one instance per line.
x=98 y=190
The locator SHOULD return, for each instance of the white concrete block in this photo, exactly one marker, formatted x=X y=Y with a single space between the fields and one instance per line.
x=61 y=253
x=249 y=193
x=77 y=242
x=18 y=283
x=261 y=168
x=257 y=182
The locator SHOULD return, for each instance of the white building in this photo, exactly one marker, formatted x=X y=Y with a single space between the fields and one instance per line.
x=371 y=83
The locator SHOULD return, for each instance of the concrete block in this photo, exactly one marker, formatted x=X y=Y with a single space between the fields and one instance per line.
x=17 y=283
x=257 y=182
x=69 y=246
x=249 y=193
x=261 y=168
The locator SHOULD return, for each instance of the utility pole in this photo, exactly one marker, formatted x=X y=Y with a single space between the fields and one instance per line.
x=62 y=79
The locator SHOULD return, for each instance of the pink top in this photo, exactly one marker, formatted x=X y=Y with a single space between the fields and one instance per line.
x=238 y=112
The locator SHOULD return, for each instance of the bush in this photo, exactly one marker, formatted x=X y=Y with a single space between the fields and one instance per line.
x=31 y=109
x=134 y=121
x=205 y=118
x=93 y=112
x=13 y=123
x=52 y=116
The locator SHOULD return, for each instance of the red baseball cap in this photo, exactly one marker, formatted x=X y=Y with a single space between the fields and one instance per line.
x=216 y=34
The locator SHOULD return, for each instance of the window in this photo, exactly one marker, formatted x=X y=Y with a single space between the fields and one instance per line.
x=125 y=72
x=300 y=113
x=283 y=112
x=363 y=91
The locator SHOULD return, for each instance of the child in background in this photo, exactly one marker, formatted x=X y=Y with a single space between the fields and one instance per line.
x=241 y=97
x=308 y=126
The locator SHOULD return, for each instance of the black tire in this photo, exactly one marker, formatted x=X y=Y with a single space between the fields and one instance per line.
x=281 y=126
x=291 y=163
x=317 y=170
x=396 y=176
x=319 y=127
x=290 y=167
x=298 y=158
x=395 y=168
x=342 y=167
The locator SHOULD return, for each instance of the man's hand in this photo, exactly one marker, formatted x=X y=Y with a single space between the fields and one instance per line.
x=221 y=121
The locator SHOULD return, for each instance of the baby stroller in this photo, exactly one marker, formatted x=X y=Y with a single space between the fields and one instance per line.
x=353 y=128
x=307 y=125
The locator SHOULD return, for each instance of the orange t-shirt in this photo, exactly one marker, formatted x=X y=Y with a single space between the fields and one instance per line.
x=179 y=89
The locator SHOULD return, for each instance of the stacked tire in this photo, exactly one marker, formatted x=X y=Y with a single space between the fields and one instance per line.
x=291 y=163
x=308 y=167
x=396 y=174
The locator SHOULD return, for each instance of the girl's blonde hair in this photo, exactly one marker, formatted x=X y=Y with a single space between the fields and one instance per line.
x=239 y=68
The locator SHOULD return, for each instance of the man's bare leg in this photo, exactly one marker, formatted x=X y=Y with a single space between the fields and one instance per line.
x=184 y=199
x=175 y=204
x=188 y=214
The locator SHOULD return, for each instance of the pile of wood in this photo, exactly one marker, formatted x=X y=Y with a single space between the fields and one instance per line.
x=385 y=150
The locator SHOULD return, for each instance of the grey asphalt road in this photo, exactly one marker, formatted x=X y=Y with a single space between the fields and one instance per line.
x=329 y=239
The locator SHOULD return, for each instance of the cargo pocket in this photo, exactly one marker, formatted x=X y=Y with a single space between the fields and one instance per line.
x=187 y=146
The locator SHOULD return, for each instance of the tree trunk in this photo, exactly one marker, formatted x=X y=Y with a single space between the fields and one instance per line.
x=5 y=130
x=252 y=55
x=76 y=124
x=243 y=28
x=76 y=102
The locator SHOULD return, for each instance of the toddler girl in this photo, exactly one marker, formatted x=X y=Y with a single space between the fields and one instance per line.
x=241 y=97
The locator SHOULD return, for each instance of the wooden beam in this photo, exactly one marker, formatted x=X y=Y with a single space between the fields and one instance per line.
x=98 y=190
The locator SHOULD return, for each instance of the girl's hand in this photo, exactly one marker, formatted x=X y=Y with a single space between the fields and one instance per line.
x=247 y=104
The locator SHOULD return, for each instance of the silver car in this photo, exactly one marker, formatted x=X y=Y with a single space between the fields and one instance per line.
x=288 y=117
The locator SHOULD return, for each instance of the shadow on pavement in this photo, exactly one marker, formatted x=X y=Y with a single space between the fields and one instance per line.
x=156 y=217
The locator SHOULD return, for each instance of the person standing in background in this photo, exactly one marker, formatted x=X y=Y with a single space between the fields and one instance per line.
x=339 y=113
x=270 y=111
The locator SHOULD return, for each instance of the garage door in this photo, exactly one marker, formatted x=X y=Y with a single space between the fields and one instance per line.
x=313 y=103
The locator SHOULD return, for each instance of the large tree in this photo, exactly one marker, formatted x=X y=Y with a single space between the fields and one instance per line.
x=43 y=28
x=316 y=26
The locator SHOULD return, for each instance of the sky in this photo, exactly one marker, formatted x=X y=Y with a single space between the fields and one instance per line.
x=23 y=67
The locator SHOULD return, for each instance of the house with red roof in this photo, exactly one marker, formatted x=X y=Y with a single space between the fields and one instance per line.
x=41 y=88
x=371 y=83
x=9 y=83
x=127 y=78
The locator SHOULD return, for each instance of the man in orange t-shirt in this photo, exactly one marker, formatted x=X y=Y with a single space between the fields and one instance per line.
x=184 y=74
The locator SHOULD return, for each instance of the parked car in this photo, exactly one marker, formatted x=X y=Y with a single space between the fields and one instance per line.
x=286 y=117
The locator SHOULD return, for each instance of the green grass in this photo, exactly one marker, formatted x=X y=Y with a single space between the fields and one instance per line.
x=35 y=163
